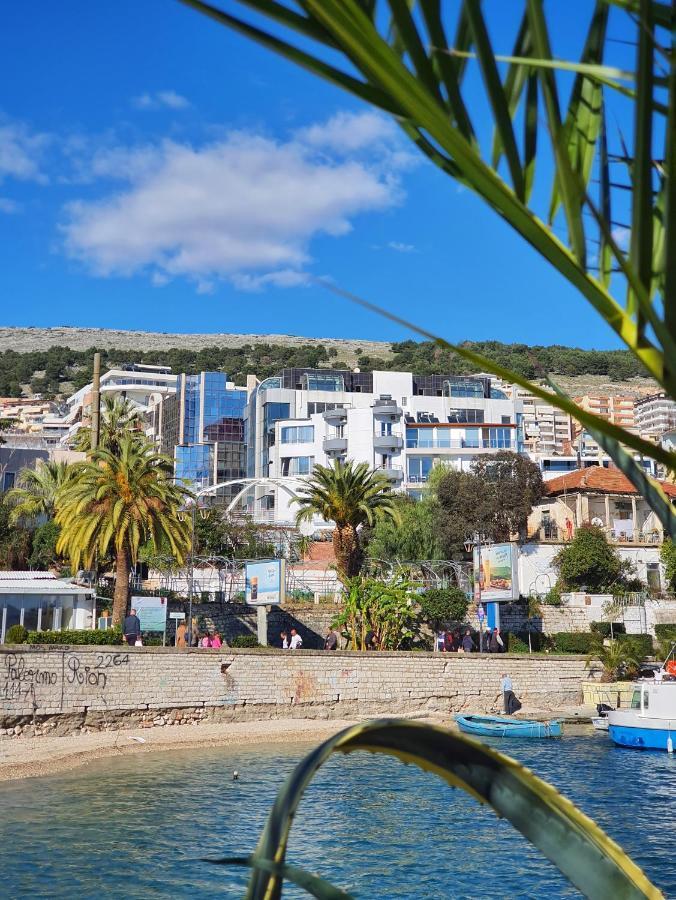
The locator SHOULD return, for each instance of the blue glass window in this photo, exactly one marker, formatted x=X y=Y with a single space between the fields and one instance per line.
x=194 y=464
x=500 y=438
x=297 y=465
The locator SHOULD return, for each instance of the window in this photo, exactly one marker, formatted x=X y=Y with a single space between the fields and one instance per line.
x=8 y=480
x=297 y=465
x=385 y=429
x=419 y=468
x=499 y=438
x=412 y=437
x=474 y=416
x=298 y=434
x=506 y=420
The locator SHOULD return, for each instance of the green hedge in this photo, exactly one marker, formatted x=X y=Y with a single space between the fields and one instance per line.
x=109 y=636
x=517 y=642
x=574 y=641
x=665 y=632
x=17 y=634
x=603 y=629
x=245 y=641
x=641 y=645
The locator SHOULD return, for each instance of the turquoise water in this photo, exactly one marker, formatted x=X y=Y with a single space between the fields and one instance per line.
x=136 y=826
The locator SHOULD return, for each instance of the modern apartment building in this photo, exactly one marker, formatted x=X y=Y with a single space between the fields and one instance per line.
x=547 y=430
x=202 y=426
x=655 y=415
x=617 y=409
x=400 y=423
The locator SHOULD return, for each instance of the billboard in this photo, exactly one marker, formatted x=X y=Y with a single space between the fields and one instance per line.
x=495 y=572
x=264 y=582
x=152 y=612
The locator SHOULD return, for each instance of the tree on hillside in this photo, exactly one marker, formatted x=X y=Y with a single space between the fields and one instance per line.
x=119 y=502
x=349 y=495
x=589 y=563
x=35 y=494
x=668 y=557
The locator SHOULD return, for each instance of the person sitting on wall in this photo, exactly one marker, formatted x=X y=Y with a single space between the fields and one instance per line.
x=450 y=644
x=205 y=641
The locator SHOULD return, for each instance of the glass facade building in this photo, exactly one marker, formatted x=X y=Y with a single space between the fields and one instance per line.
x=209 y=423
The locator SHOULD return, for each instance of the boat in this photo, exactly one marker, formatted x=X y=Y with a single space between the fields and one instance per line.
x=500 y=726
x=650 y=722
x=600 y=723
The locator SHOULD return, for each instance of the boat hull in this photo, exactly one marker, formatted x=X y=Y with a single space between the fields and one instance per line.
x=641 y=738
x=495 y=726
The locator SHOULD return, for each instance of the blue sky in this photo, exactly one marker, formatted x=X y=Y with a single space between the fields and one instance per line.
x=158 y=172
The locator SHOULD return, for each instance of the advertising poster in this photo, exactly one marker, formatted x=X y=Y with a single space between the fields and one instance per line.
x=495 y=572
x=152 y=612
x=264 y=582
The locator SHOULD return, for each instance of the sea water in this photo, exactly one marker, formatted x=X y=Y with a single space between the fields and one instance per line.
x=138 y=826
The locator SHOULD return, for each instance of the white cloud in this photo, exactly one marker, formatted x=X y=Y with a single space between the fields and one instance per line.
x=9 y=206
x=621 y=236
x=347 y=132
x=244 y=208
x=160 y=100
x=402 y=248
x=21 y=152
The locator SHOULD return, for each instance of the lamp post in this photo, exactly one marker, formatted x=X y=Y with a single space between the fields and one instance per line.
x=470 y=544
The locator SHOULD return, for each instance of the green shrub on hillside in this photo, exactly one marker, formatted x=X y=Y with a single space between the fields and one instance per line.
x=85 y=636
x=603 y=629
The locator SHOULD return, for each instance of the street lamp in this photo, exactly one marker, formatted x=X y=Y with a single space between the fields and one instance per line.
x=469 y=545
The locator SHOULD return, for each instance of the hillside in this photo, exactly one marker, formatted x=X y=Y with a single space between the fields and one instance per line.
x=55 y=361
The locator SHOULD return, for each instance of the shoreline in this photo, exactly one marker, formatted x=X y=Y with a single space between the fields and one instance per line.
x=31 y=757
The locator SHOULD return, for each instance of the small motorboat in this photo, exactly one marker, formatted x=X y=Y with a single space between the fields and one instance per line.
x=501 y=726
x=600 y=723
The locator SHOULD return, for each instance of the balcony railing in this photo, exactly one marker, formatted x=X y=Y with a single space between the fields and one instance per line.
x=459 y=444
x=552 y=533
x=335 y=444
x=387 y=441
x=394 y=473
x=386 y=407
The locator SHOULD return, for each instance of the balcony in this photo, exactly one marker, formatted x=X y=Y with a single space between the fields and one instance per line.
x=387 y=442
x=339 y=414
x=385 y=406
x=394 y=473
x=459 y=444
x=335 y=445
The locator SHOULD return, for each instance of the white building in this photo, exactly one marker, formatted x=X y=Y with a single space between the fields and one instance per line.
x=397 y=422
x=655 y=415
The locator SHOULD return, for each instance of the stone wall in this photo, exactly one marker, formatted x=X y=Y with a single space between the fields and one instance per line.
x=103 y=686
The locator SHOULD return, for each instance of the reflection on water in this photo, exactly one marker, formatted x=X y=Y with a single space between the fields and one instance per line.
x=136 y=826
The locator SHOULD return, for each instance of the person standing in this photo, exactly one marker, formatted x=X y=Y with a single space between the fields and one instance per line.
x=216 y=641
x=295 y=640
x=467 y=642
x=509 y=701
x=331 y=642
x=284 y=638
x=497 y=645
x=181 y=635
x=132 y=628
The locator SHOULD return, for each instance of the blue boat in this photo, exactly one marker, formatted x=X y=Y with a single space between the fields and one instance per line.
x=500 y=726
x=650 y=722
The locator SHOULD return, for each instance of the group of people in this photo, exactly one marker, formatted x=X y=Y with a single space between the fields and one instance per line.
x=455 y=642
x=195 y=638
x=291 y=640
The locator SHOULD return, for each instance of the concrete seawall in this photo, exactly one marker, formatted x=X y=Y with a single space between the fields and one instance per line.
x=65 y=688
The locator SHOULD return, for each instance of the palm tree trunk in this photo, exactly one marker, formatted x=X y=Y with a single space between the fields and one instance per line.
x=347 y=550
x=121 y=595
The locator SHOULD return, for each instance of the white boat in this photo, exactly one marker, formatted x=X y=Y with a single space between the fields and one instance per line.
x=600 y=723
x=650 y=723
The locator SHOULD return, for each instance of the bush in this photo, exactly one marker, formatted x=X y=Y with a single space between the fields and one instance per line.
x=553 y=597
x=517 y=642
x=637 y=645
x=665 y=632
x=84 y=636
x=603 y=629
x=17 y=634
x=245 y=641
x=442 y=606
x=574 y=641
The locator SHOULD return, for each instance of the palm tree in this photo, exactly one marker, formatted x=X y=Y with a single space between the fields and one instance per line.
x=35 y=495
x=120 y=501
x=616 y=658
x=119 y=417
x=349 y=495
